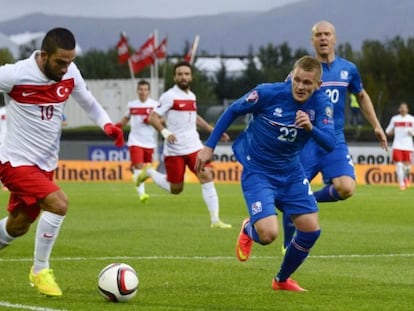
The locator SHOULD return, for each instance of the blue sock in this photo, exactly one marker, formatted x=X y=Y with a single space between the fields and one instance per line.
x=250 y=230
x=296 y=253
x=288 y=229
x=327 y=194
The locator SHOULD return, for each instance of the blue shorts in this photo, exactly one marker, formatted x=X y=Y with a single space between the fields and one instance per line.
x=332 y=164
x=264 y=193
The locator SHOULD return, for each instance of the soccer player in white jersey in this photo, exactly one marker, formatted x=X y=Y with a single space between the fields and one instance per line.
x=182 y=142
x=401 y=126
x=37 y=89
x=142 y=139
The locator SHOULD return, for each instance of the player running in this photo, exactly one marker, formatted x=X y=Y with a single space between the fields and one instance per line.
x=142 y=139
x=37 y=89
x=401 y=126
x=285 y=116
x=339 y=77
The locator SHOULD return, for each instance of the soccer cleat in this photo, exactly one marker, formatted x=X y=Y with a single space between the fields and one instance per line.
x=221 y=225
x=403 y=187
x=45 y=282
x=142 y=176
x=244 y=244
x=406 y=182
x=144 y=197
x=289 y=285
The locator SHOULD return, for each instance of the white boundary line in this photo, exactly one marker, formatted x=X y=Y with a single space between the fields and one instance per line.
x=204 y=257
x=26 y=307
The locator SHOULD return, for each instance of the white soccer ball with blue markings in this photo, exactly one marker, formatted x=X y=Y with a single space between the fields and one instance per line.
x=118 y=282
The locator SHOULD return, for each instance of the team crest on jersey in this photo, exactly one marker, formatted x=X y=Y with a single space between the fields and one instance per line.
x=278 y=112
x=256 y=208
x=328 y=112
x=253 y=97
x=344 y=75
x=311 y=114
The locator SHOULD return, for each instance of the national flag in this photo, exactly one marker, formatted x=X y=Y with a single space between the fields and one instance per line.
x=161 y=50
x=123 y=49
x=189 y=57
x=144 y=56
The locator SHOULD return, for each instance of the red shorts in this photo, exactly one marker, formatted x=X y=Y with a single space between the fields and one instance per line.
x=140 y=155
x=27 y=185
x=401 y=155
x=175 y=166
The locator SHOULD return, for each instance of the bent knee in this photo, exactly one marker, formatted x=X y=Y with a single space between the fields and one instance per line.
x=346 y=192
x=176 y=188
x=268 y=236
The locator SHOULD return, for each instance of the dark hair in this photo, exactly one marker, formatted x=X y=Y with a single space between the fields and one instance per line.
x=181 y=64
x=58 y=38
x=144 y=82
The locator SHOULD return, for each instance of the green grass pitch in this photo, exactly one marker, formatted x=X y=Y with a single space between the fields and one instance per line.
x=362 y=261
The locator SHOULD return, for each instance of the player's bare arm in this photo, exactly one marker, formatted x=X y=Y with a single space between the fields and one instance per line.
x=367 y=109
x=159 y=124
x=203 y=124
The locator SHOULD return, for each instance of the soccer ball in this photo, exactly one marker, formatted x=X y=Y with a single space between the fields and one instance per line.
x=118 y=282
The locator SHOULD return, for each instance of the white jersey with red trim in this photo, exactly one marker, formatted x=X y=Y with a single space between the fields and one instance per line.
x=142 y=134
x=34 y=112
x=179 y=109
x=403 y=127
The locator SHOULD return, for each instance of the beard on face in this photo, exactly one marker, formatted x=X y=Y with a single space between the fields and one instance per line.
x=183 y=85
x=50 y=74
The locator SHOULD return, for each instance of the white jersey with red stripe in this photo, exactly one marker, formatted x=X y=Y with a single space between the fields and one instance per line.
x=34 y=112
x=179 y=108
x=142 y=134
x=403 y=127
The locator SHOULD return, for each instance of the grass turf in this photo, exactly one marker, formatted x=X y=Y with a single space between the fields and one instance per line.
x=362 y=261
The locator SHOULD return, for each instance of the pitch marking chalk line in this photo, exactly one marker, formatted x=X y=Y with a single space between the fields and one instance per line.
x=26 y=307
x=204 y=257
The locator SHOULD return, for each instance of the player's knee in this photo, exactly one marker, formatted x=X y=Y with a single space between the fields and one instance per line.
x=56 y=203
x=16 y=229
x=346 y=192
x=267 y=236
x=176 y=188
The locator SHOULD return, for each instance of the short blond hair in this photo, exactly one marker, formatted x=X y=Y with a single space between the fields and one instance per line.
x=309 y=63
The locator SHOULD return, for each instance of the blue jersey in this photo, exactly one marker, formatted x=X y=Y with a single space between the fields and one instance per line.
x=271 y=143
x=339 y=78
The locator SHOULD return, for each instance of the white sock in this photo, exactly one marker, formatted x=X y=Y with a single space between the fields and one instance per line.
x=5 y=237
x=46 y=234
x=159 y=179
x=400 y=172
x=141 y=187
x=211 y=199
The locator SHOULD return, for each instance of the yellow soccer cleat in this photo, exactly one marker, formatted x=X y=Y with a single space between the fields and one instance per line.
x=45 y=282
x=221 y=225
x=143 y=175
x=144 y=197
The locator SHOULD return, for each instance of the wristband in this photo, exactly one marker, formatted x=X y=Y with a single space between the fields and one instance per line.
x=165 y=133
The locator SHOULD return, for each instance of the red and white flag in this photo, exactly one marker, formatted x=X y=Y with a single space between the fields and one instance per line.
x=123 y=49
x=161 y=50
x=144 y=56
x=189 y=57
